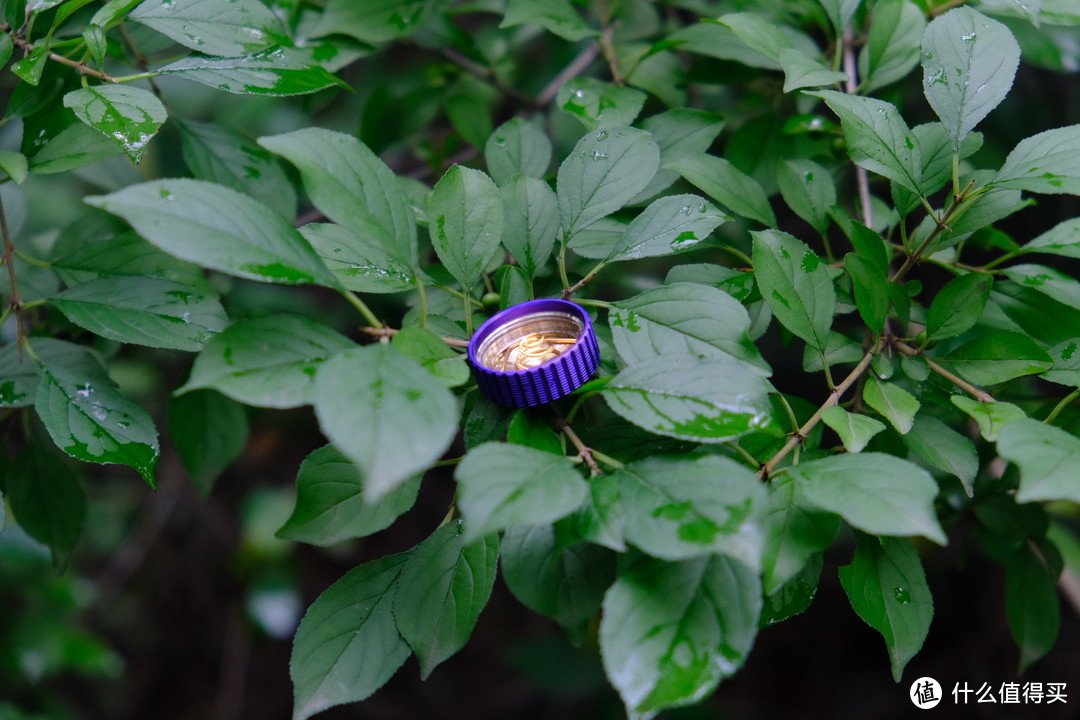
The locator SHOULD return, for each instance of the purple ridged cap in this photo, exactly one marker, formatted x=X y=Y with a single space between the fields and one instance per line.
x=495 y=348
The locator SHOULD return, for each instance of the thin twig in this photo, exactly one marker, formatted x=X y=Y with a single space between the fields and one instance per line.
x=833 y=399
x=81 y=67
x=487 y=75
x=978 y=394
x=862 y=178
x=567 y=292
x=381 y=332
x=584 y=452
x=8 y=258
x=584 y=59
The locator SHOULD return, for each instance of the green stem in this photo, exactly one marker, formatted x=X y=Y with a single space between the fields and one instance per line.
x=738 y=254
x=1007 y=256
x=828 y=248
x=136 y=76
x=562 y=267
x=459 y=294
x=741 y=452
x=956 y=172
x=595 y=303
x=1061 y=406
x=31 y=260
x=359 y=304
x=468 y=315
x=608 y=460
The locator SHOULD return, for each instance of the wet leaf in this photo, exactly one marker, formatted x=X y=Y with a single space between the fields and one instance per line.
x=128 y=116
x=239 y=27
x=727 y=185
x=267 y=362
x=219 y=228
x=669 y=225
x=274 y=73
x=517 y=147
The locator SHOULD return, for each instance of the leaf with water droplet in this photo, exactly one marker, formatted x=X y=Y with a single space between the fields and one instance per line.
x=127 y=115
x=671 y=631
x=267 y=362
x=671 y=224
x=709 y=400
x=218 y=228
x=89 y=420
x=801 y=294
x=273 y=73
x=969 y=62
x=465 y=215
x=144 y=311
x=517 y=146
x=887 y=588
x=598 y=104
x=727 y=185
x=238 y=27
x=589 y=189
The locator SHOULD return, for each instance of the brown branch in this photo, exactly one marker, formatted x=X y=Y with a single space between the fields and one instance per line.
x=576 y=66
x=81 y=67
x=978 y=394
x=8 y=259
x=833 y=399
x=584 y=452
x=390 y=332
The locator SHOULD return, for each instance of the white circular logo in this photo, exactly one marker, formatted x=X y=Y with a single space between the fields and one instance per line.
x=925 y=693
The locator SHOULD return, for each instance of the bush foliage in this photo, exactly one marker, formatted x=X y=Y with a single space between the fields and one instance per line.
x=827 y=246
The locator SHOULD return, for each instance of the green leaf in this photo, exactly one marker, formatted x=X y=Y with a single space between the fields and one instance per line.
x=605 y=170
x=957 y=306
x=517 y=147
x=679 y=132
x=434 y=355
x=266 y=362
x=1063 y=239
x=274 y=73
x=220 y=155
x=871 y=246
x=598 y=104
x=466 y=222
x=969 y=62
x=1048 y=281
x=374 y=21
x=15 y=165
x=802 y=71
x=855 y=429
x=936 y=151
x=385 y=413
x=1048 y=162
x=671 y=224
x=530 y=222
x=1046 y=456
x=359 y=260
x=111 y=13
x=19 y=371
x=683 y=319
x=796 y=284
x=75 y=146
x=840 y=13
x=874 y=492
x=893 y=44
x=808 y=189
x=943 y=448
x=1041 y=317
x=127 y=115
x=708 y=400
x=144 y=311
x=795 y=532
x=990 y=417
x=534 y=430
x=556 y=16
x=330 y=506
x=877 y=137
x=887 y=588
x=727 y=185
x=556 y=576
x=670 y=632
x=94 y=37
x=349 y=184
x=514 y=286
x=683 y=507
x=47 y=501
x=443 y=588
x=30 y=68
x=6 y=48
x=998 y=356
x=871 y=288
x=502 y=485
x=896 y=404
x=794 y=596
x=240 y=27
x=219 y=228
x=91 y=421
x=758 y=33
x=347 y=645
x=1066 y=369
x=1031 y=605
x=208 y=431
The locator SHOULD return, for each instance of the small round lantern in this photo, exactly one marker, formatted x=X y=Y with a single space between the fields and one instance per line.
x=534 y=353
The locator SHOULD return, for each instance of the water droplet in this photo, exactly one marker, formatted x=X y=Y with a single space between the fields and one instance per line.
x=579 y=93
x=809 y=177
x=602 y=135
x=909 y=144
x=84 y=391
x=901 y=595
x=969 y=38
x=597 y=156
